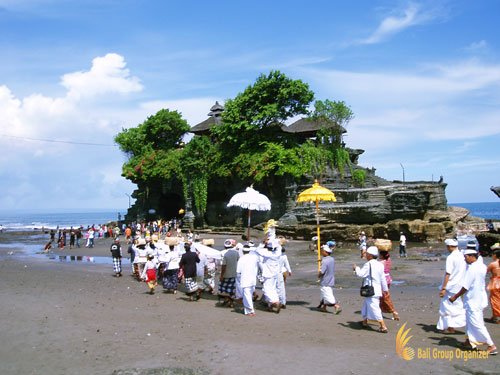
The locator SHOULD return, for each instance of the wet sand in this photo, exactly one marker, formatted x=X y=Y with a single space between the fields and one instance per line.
x=74 y=317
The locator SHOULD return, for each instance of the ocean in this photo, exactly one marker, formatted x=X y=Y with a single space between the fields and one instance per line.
x=485 y=210
x=26 y=220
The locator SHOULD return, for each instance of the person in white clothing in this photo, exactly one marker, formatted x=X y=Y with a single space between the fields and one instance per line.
x=475 y=301
x=402 y=246
x=284 y=273
x=452 y=315
x=373 y=274
x=270 y=253
x=246 y=271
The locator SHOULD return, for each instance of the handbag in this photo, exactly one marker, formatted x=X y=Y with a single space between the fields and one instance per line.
x=367 y=290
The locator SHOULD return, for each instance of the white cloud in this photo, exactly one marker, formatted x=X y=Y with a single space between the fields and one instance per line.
x=38 y=173
x=477 y=46
x=412 y=15
x=456 y=101
x=107 y=75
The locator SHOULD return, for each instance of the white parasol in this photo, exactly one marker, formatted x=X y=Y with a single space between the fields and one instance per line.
x=251 y=199
x=208 y=251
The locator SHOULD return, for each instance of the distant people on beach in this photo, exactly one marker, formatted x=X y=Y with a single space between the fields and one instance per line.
x=402 y=245
x=362 y=244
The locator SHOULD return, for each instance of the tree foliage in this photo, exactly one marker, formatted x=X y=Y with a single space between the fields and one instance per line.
x=336 y=111
x=257 y=114
x=153 y=146
x=248 y=145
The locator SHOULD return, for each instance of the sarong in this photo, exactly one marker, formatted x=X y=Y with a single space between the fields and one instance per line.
x=476 y=330
x=209 y=279
x=227 y=287
x=494 y=289
x=270 y=289
x=371 y=309
x=151 y=275
x=451 y=314
x=170 y=280
x=117 y=265
x=327 y=295
x=386 y=304
x=247 y=295
x=190 y=284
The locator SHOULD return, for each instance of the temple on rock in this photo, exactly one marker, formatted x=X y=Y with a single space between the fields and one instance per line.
x=381 y=208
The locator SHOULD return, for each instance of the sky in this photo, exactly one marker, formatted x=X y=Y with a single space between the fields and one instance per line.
x=422 y=78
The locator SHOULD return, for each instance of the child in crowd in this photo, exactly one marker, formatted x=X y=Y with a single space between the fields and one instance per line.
x=149 y=274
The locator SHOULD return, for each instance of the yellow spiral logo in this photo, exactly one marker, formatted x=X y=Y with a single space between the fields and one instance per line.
x=405 y=352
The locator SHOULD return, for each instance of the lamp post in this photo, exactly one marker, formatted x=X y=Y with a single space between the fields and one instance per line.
x=128 y=195
x=403 y=168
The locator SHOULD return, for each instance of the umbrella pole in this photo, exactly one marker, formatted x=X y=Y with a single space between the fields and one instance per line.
x=317 y=230
x=248 y=229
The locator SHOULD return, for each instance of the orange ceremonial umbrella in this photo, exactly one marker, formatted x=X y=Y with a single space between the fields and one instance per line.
x=315 y=194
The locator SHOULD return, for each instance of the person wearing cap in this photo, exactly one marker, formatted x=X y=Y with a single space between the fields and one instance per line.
x=326 y=276
x=494 y=284
x=270 y=253
x=246 y=271
x=475 y=301
x=116 y=254
x=402 y=246
x=285 y=272
x=227 y=284
x=373 y=274
x=451 y=315
x=170 y=274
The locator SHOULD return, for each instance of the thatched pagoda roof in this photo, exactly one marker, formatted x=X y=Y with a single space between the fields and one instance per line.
x=213 y=119
x=309 y=127
x=204 y=126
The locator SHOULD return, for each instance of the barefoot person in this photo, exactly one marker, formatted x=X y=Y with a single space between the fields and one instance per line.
x=327 y=281
x=451 y=315
x=116 y=254
x=246 y=271
x=149 y=273
x=373 y=274
x=227 y=281
x=494 y=284
x=386 y=304
x=475 y=301
x=188 y=265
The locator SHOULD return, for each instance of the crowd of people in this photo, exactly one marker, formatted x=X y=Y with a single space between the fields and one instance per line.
x=185 y=259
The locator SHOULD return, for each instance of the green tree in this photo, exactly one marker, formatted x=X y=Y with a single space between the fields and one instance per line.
x=153 y=147
x=335 y=111
x=257 y=114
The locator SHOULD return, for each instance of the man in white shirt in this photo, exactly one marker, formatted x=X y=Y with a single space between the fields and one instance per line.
x=475 y=301
x=452 y=315
x=246 y=271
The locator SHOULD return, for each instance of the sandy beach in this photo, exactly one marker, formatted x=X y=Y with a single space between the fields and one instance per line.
x=73 y=317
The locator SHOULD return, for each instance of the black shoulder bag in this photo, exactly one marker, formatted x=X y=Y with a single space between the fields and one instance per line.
x=367 y=290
